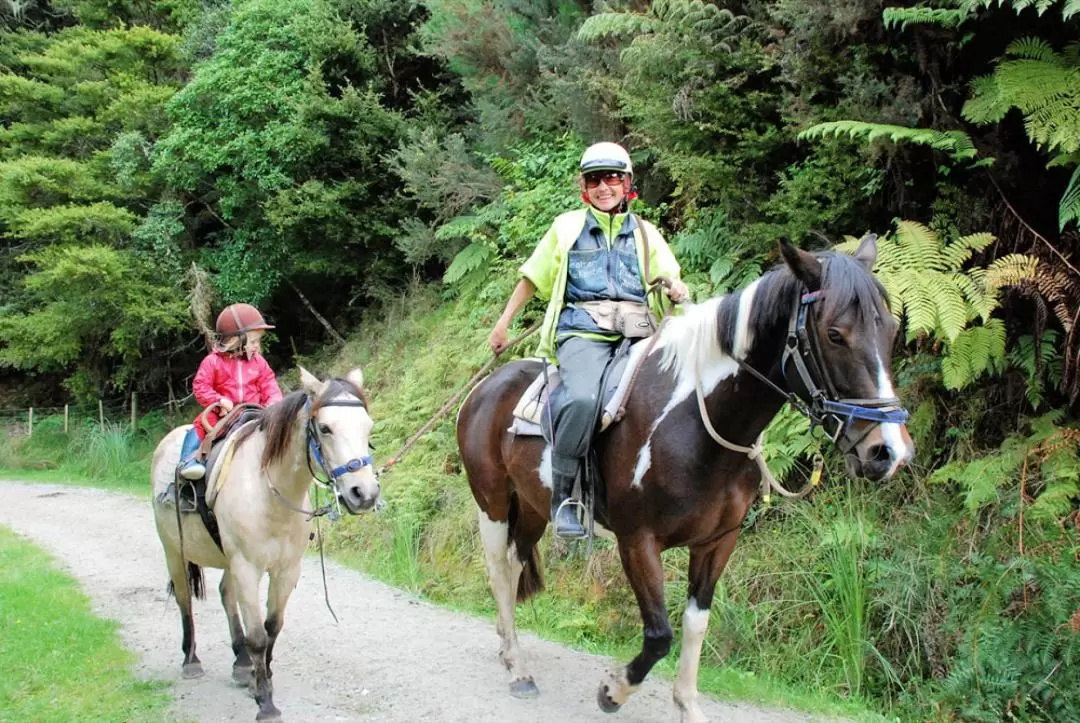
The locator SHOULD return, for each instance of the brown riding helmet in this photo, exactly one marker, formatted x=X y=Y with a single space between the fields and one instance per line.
x=240 y=319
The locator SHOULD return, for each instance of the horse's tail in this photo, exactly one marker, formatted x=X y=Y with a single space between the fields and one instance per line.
x=196 y=582
x=531 y=580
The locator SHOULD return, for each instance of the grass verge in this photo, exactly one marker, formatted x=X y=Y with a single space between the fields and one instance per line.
x=61 y=662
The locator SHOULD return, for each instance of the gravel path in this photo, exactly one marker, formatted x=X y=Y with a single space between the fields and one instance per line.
x=392 y=658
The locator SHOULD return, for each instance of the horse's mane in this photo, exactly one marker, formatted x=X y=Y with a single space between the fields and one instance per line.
x=278 y=419
x=710 y=330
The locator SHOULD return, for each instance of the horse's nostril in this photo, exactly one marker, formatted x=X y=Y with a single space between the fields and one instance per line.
x=879 y=453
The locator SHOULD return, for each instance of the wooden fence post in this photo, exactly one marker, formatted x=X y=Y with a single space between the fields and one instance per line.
x=101 y=413
x=30 y=423
x=134 y=406
x=65 y=419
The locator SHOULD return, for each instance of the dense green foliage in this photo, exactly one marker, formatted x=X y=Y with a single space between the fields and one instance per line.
x=320 y=157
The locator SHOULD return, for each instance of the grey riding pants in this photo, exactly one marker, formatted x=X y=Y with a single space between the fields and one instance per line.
x=575 y=403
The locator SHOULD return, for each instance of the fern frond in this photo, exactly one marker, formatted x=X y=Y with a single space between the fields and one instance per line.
x=955 y=143
x=469 y=260
x=1031 y=49
x=1069 y=207
x=616 y=25
x=945 y=17
x=1011 y=270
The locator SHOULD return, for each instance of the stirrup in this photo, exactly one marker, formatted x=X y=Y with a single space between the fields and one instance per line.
x=571 y=502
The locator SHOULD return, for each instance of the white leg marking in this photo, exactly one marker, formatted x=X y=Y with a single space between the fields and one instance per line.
x=504 y=570
x=644 y=461
x=898 y=450
x=618 y=688
x=695 y=624
x=545 y=468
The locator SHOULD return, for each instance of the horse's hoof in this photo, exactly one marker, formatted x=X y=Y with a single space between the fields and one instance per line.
x=192 y=670
x=604 y=700
x=273 y=716
x=242 y=675
x=524 y=688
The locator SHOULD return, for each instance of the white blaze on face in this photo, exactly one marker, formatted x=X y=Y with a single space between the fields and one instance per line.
x=890 y=431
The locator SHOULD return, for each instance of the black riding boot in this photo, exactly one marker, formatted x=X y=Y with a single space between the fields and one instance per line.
x=563 y=515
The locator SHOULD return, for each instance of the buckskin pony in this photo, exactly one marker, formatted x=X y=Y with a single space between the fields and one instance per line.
x=816 y=330
x=263 y=515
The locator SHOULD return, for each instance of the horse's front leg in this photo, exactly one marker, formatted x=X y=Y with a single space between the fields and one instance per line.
x=246 y=578
x=706 y=564
x=282 y=583
x=641 y=562
x=241 y=672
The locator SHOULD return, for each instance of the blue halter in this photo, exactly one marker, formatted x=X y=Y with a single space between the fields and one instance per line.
x=315 y=446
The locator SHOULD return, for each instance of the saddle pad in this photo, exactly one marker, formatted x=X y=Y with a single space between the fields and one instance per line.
x=219 y=461
x=529 y=409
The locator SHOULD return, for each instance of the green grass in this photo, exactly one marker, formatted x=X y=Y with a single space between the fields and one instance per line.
x=60 y=662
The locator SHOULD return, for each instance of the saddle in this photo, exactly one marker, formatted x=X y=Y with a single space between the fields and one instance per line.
x=193 y=493
x=530 y=419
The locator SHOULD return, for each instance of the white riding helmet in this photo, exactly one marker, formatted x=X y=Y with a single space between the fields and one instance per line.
x=606 y=156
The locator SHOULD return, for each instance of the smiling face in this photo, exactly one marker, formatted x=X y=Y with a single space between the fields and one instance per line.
x=343 y=427
x=852 y=333
x=605 y=190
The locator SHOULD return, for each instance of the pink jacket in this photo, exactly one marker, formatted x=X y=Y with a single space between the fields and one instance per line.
x=241 y=380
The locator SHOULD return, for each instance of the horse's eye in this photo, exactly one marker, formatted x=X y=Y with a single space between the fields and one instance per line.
x=323 y=429
x=835 y=336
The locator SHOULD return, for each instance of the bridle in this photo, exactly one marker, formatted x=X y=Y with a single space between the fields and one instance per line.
x=814 y=393
x=315 y=451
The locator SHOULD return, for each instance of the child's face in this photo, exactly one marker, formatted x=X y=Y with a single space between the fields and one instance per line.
x=254 y=341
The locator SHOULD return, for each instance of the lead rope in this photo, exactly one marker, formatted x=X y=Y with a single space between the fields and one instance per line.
x=755 y=453
x=322 y=566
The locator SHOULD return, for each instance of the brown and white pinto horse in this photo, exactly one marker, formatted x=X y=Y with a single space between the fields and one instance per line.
x=818 y=327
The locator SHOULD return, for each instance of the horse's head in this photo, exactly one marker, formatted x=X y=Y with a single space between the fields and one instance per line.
x=838 y=357
x=339 y=432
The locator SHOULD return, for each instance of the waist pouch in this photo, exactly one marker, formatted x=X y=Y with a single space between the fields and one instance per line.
x=632 y=319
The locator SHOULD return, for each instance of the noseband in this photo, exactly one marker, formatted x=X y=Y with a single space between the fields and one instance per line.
x=814 y=392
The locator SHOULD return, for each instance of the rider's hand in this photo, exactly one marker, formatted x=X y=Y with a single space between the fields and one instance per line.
x=226 y=404
x=678 y=291
x=498 y=339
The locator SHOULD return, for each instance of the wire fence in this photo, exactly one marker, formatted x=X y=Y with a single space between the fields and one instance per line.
x=122 y=410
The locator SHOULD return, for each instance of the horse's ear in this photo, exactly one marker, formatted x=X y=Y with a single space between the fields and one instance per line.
x=356 y=376
x=803 y=264
x=311 y=383
x=866 y=254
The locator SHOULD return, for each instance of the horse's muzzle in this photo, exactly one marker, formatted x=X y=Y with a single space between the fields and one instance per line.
x=355 y=499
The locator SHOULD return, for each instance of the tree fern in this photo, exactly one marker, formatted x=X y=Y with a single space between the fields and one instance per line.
x=938 y=298
x=956 y=144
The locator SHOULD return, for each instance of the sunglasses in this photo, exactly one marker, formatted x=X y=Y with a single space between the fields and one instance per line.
x=610 y=178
